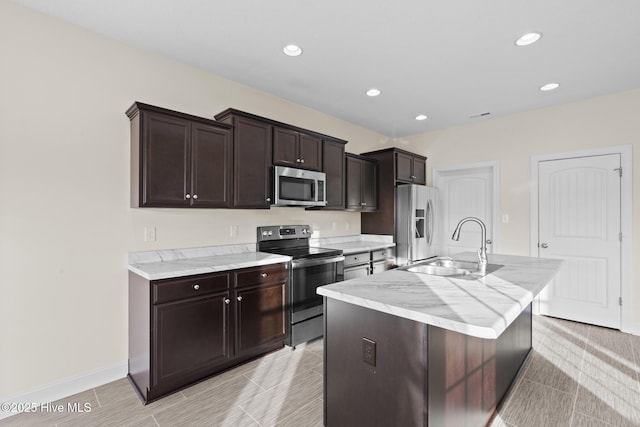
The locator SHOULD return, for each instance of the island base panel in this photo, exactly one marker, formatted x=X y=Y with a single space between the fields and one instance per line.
x=374 y=365
x=385 y=370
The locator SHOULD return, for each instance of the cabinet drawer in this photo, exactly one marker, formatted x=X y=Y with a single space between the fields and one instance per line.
x=355 y=272
x=378 y=267
x=356 y=259
x=172 y=290
x=379 y=255
x=262 y=274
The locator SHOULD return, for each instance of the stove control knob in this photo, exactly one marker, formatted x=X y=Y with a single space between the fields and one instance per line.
x=270 y=233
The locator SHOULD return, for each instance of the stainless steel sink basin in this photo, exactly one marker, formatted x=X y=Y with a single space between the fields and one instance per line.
x=452 y=263
x=444 y=266
x=438 y=270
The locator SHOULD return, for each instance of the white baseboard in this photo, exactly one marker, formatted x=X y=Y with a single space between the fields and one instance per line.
x=67 y=387
x=631 y=328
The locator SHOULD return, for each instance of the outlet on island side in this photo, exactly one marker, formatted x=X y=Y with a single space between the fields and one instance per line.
x=369 y=351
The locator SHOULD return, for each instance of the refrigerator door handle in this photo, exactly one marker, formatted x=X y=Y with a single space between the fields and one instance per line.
x=429 y=223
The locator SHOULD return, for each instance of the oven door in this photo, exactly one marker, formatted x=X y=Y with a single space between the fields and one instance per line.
x=306 y=276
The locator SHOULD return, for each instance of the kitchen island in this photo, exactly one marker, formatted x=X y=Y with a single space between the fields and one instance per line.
x=412 y=349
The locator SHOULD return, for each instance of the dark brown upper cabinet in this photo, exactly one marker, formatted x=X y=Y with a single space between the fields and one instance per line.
x=252 y=159
x=410 y=168
x=179 y=160
x=395 y=166
x=334 y=168
x=259 y=143
x=296 y=149
x=361 y=183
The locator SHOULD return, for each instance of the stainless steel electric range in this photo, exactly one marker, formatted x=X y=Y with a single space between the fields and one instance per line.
x=311 y=267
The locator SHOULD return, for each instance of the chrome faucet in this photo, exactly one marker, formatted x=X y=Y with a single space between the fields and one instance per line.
x=482 y=252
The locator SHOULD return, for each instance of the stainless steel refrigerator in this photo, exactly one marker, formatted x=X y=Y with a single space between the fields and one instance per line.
x=417 y=230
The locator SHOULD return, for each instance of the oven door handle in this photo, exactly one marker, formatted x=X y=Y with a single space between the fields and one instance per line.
x=301 y=263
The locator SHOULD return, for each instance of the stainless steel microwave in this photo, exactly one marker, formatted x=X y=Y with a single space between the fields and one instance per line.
x=298 y=187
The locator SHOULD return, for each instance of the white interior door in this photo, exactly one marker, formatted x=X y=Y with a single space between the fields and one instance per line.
x=466 y=192
x=579 y=222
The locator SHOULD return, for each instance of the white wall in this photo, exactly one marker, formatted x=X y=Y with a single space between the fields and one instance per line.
x=610 y=120
x=65 y=222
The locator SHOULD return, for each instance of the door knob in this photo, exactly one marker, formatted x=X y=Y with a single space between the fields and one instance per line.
x=489 y=242
x=544 y=245
x=196 y=287
x=240 y=298
x=195 y=196
x=227 y=300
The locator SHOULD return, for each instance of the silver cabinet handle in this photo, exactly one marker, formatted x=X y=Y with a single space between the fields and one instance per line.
x=188 y=196
x=195 y=196
x=263 y=274
x=544 y=245
x=413 y=177
x=489 y=242
x=301 y=160
x=239 y=298
x=227 y=300
x=196 y=287
x=297 y=160
x=268 y=199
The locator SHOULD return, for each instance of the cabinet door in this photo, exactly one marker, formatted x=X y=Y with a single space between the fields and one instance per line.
x=190 y=335
x=404 y=167
x=354 y=183
x=369 y=186
x=333 y=161
x=252 y=164
x=285 y=147
x=310 y=151
x=260 y=316
x=419 y=171
x=211 y=167
x=166 y=161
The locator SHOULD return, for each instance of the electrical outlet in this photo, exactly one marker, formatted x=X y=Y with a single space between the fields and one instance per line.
x=334 y=226
x=149 y=233
x=233 y=231
x=369 y=351
x=505 y=218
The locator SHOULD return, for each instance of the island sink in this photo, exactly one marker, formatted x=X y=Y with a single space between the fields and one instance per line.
x=441 y=349
x=445 y=266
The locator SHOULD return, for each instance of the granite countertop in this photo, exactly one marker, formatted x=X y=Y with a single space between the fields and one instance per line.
x=165 y=264
x=483 y=307
x=355 y=244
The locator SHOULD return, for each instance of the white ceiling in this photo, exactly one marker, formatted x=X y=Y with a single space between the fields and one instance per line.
x=448 y=59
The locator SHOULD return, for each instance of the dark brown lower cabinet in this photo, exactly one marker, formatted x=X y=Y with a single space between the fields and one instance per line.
x=384 y=370
x=261 y=316
x=183 y=330
x=190 y=335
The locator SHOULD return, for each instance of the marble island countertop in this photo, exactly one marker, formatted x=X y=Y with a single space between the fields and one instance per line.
x=165 y=264
x=483 y=307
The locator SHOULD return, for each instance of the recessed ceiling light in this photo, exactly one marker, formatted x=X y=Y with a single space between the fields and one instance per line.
x=549 y=86
x=527 y=39
x=421 y=117
x=373 y=92
x=292 y=50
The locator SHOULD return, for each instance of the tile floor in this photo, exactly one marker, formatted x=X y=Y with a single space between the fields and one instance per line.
x=578 y=375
